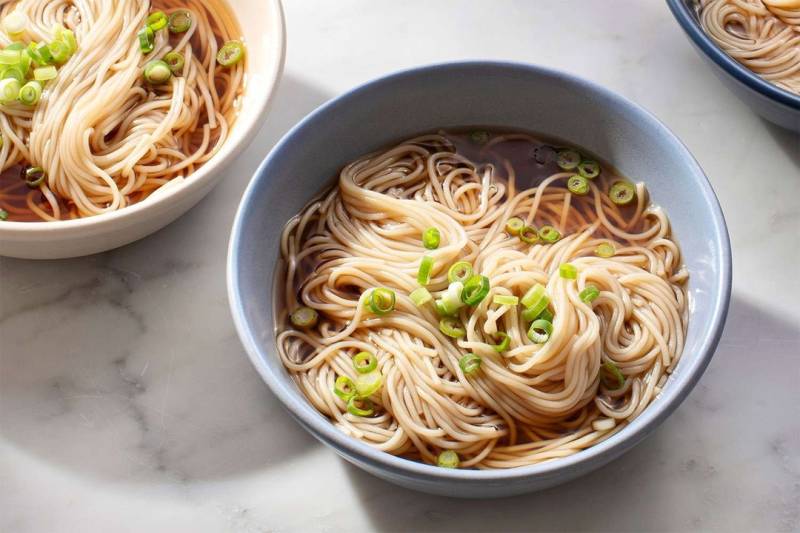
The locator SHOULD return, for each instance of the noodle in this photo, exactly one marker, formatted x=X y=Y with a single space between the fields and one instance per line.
x=528 y=404
x=762 y=35
x=105 y=138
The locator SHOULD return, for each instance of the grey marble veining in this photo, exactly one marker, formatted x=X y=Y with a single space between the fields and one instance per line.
x=127 y=403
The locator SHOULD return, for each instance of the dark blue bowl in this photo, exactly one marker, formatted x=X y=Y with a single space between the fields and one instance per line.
x=769 y=101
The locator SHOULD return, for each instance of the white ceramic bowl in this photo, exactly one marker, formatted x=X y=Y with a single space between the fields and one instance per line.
x=264 y=31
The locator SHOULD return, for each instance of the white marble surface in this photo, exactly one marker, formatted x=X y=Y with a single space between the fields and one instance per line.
x=127 y=403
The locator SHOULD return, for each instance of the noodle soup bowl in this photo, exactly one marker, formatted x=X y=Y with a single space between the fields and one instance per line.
x=771 y=102
x=503 y=96
x=263 y=29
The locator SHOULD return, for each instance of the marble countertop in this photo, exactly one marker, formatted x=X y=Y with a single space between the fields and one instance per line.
x=128 y=404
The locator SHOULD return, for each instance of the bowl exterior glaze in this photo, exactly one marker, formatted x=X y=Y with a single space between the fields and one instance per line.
x=776 y=105
x=264 y=31
x=503 y=95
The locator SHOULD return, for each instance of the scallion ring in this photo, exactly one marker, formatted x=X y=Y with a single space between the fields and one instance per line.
x=589 y=294
x=34 y=176
x=605 y=249
x=546 y=315
x=549 y=234
x=431 y=238
x=3 y=214
x=147 y=39
x=365 y=362
x=344 y=388
x=448 y=459
x=304 y=317
x=470 y=364
x=180 y=21
x=382 y=301
x=504 y=341
x=9 y=90
x=60 y=52
x=15 y=22
x=368 y=384
x=568 y=159
x=589 y=169
x=175 y=61
x=45 y=73
x=30 y=93
x=360 y=406
x=529 y=235
x=568 y=271
x=451 y=327
x=231 y=53
x=578 y=185
x=614 y=372
x=505 y=299
x=420 y=296
x=514 y=225
x=460 y=271
x=622 y=192
x=540 y=331
x=157 y=72
x=424 y=272
x=533 y=296
x=157 y=20
x=475 y=290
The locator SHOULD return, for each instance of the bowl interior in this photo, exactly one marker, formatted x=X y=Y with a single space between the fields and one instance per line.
x=500 y=95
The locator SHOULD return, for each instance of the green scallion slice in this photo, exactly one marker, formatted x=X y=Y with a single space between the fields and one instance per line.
x=612 y=371
x=344 y=388
x=540 y=331
x=3 y=214
x=157 y=20
x=514 y=225
x=505 y=299
x=549 y=234
x=10 y=57
x=475 y=290
x=382 y=301
x=451 y=327
x=503 y=342
x=470 y=364
x=231 y=53
x=589 y=294
x=546 y=315
x=30 y=93
x=180 y=21
x=60 y=52
x=157 y=72
x=450 y=302
x=460 y=271
x=368 y=384
x=420 y=296
x=568 y=159
x=304 y=317
x=365 y=362
x=34 y=176
x=568 y=271
x=578 y=185
x=45 y=73
x=431 y=238
x=534 y=296
x=448 y=459
x=622 y=192
x=15 y=23
x=147 y=39
x=605 y=249
x=360 y=406
x=43 y=54
x=175 y=61
x=13 y=72
x=424 y=272
x=9 y=90
x=589 y=169
x=529 y=235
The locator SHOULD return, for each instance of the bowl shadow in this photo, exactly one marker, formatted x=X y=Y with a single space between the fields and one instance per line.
x=126 y=366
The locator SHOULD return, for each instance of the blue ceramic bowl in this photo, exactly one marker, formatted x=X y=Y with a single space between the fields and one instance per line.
x=502 y=95
x=774 y=104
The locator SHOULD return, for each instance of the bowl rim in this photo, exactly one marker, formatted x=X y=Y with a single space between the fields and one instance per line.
x=691 y=27
x=246 y=126
x=321 y=428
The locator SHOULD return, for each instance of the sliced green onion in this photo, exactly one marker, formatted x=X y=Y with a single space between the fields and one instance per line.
x=534 y=295
x=9 y=90
x=10 y=57
x=448 y=459
x=450 y=302
x=424 y=272
x=420 y=296
x=15 y=23
x=475 y=290
x=16 y=46
x=368 y=384
x=514 y=225
x=344 y=388
x=45 y=73
x=470 y=364
x=568 y=271
x=3 y=214
x=12 y=72
x=529 y=235
x=578 y=185
x=157 y=72
x=157 y=20
x=431 y=238
x=365 y=362
x=180 y=21
x=460 y=271
x=612 y=371
x=230 y=54
x=147 y=39
x=504 y=342
x=441 y=310
x=25 y=61
x=540 y=302
x=175 y=61
x=622 y=192
x=67 y=37
x=568 y=159
x=605 y=249
x=43 y=54
x=30 y=93
x=589 y=294
x=381 y=301
x=480 y=137
x=589 y=169
x=34 y=176
x=540 y=331
x=546 y=315
x=360 y=406
x=59 y=51
x=451 y=327
x=304 y=317
x=505 y=299
x=549 y=234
